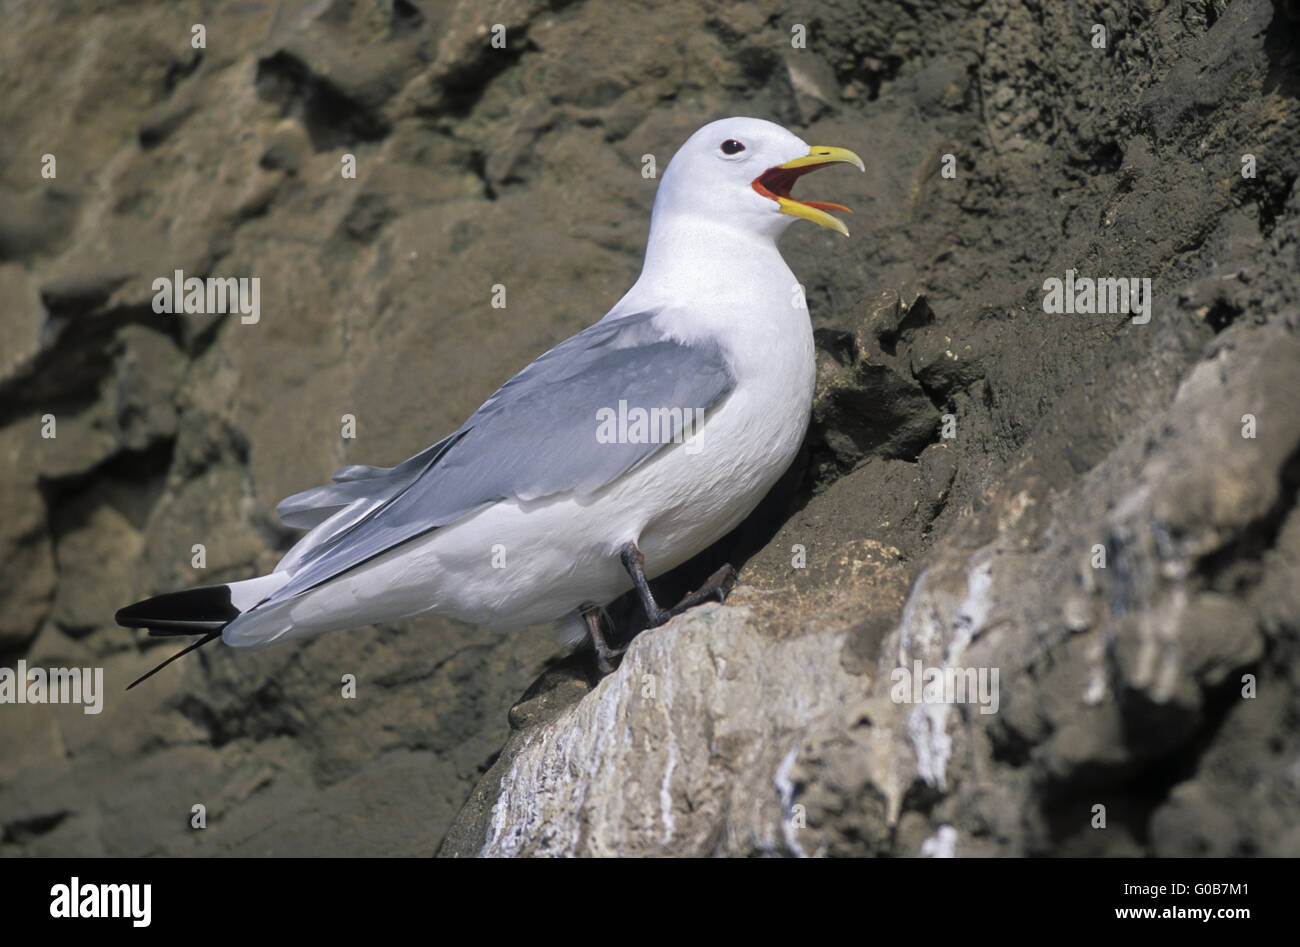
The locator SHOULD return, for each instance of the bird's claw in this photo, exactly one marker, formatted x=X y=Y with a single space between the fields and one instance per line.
x=718 y=586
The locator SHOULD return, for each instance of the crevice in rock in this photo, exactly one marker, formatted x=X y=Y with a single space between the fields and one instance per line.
x=1133 y=791
x=406 y=16
x=181 y=70
x=24 y=831
x=260 y=715
x=1237 y=566
x=463 y=86
x=331 y=117
x=142 y=472
x=69 y=370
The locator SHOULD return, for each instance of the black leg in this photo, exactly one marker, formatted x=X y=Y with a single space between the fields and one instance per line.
x=634 y=563
x=605 y=656
x=717 y=587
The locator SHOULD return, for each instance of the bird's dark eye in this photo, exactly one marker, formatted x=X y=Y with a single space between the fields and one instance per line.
x=732 y=147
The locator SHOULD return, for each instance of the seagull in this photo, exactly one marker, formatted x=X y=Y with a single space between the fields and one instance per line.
x=611 y=459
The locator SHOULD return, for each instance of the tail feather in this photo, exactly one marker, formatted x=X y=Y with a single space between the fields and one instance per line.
x=204 y=611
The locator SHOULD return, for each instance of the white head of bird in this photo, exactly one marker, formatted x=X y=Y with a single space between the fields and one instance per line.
x=722 y=203
x=738 y=172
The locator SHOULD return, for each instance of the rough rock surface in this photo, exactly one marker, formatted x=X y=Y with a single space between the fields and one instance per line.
x=971 y=458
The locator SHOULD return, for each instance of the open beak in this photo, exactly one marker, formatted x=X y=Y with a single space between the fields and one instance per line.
x=775 y=183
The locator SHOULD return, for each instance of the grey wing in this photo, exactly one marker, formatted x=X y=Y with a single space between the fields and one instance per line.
x=312 y=507
x=534 y=438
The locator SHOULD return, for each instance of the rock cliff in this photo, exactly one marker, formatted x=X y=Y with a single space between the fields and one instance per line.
x=1100 y=510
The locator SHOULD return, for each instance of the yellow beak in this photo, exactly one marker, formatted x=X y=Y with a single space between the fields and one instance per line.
x=775 y=183
x=819 y=155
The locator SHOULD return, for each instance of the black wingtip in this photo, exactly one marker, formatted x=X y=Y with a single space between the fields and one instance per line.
x=189 y=611
x=179 y=654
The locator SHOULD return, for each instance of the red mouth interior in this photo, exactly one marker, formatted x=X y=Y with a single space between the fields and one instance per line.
x=777 y=182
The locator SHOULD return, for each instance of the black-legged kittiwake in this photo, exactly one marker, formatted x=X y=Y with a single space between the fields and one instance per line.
x=616 y=456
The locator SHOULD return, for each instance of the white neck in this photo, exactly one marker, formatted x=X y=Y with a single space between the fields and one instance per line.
x=700 y=262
